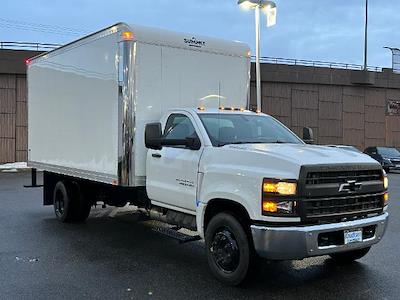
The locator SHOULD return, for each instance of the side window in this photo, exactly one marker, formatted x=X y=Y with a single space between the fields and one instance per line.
x=178 y=127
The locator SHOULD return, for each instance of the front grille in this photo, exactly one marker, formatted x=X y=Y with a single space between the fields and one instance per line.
x=342 y=176
x=332 y=192
x=342 y=206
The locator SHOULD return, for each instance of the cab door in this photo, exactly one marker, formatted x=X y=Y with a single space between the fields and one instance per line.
x=172 y=171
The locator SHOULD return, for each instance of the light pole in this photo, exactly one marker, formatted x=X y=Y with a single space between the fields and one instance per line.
x=366 y=36
x=269 y=7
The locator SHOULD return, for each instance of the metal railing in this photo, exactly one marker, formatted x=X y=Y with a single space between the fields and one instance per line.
x=28 y=46
x=316 y=63
x=269 y=60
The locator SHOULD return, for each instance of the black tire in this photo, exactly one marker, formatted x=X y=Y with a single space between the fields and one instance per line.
x=229 y=249
x=350 y=256
x=69 y=204
x=62 y=201
x=83 y=206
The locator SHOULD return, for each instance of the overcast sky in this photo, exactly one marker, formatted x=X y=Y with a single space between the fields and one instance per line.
x=328 y=30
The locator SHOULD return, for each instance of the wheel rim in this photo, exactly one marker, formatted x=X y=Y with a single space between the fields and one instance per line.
x=59 y=204
x=225 y=251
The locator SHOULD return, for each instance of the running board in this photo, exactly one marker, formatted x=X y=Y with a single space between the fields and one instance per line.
x=174 y=234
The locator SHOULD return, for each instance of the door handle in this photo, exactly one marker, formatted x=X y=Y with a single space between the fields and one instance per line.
x=156 y=155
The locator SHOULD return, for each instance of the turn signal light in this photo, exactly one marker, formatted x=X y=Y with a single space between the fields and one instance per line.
x=270 y=206
x=386 y=197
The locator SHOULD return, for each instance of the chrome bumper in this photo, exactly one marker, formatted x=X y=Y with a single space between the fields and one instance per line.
x=298 y=242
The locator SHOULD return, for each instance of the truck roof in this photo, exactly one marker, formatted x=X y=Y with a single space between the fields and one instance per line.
x=163 y=37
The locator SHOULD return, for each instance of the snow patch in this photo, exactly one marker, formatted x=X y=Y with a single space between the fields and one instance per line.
x=14 y=166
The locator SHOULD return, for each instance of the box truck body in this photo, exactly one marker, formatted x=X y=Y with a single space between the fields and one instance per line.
x=90 y=100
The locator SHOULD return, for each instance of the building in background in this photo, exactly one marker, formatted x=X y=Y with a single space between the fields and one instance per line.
x=13 y=104
x=342 y=103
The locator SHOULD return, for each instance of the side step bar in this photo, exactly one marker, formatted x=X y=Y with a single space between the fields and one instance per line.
x=175 y=234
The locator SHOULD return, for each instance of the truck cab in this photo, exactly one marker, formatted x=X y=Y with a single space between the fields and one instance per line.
x=255 y=189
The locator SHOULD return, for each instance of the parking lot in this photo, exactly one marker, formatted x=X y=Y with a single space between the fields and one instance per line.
x=115 y=256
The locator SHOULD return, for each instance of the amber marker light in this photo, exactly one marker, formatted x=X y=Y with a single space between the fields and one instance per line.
x=127 y=36
x=386 y=198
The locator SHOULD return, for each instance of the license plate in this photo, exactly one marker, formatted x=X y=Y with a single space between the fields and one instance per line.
x=352 y=236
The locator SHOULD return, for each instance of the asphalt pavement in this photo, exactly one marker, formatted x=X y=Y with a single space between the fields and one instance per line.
x=113 y=256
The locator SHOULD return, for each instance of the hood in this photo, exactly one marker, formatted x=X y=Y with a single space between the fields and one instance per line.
x=303 y=154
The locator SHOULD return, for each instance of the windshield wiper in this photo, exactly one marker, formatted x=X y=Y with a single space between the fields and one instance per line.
x=240 y=143
x=279 y=142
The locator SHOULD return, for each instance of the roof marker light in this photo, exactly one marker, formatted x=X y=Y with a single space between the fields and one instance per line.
x=127 y=36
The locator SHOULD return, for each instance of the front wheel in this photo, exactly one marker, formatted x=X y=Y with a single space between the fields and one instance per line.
x=229 y=251
x=350 y=256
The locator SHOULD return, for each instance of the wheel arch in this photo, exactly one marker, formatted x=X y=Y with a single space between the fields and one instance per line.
x=217 y=205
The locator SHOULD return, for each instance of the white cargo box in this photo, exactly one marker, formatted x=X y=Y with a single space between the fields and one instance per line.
x=89 y=100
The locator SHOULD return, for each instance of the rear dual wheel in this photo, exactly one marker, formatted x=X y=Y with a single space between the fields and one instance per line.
x=69 y=203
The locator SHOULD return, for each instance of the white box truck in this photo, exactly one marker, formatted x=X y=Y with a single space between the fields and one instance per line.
x=159 y=120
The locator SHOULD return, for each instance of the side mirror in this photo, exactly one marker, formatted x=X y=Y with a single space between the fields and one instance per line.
x=308 y=135
x=153 y=136
x=193 y=142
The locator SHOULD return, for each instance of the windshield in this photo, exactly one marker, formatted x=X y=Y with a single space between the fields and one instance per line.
x=389 y=152
x=226 y=129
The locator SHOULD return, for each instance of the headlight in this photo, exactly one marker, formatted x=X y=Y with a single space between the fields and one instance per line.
x=278 y=197
x=385 y=182
x=279 y=187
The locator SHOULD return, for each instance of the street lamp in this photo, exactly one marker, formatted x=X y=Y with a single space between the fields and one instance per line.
x=269 y=8
x=366 y=36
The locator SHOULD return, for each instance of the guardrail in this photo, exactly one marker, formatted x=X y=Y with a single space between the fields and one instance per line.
x=316 y=63
x=265 y=59
x=28 y=46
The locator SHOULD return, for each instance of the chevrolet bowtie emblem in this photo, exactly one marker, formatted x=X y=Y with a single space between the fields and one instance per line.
x=350 y=186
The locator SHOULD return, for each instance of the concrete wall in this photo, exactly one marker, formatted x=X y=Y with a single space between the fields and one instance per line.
x=342 y=106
